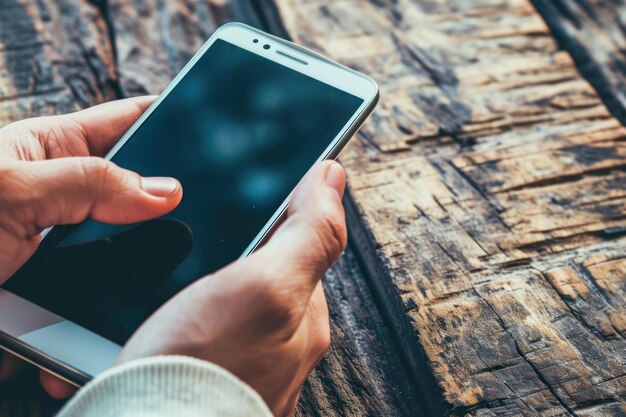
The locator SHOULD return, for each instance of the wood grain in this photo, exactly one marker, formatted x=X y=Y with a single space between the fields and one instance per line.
x=487 y=203
x=137 y=48
x=593 y=31
x=154 y=40
x=487 y=182
x=361 y=374
x=55 y=57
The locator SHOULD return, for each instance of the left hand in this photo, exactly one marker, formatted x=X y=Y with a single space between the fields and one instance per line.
x=52 y=172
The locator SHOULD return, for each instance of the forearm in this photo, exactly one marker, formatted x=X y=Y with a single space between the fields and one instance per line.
x=166 y=386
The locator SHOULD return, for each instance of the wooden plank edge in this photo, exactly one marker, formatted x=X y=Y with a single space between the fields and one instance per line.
x=590 y=69
x=408 y=348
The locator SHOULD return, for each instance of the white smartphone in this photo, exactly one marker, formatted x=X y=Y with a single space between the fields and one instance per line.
x=239 y=127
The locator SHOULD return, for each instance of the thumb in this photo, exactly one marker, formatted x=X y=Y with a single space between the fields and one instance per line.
x=314 y=234
x=68 y=190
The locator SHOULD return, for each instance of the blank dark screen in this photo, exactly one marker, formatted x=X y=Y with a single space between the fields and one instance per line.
x=239 y=131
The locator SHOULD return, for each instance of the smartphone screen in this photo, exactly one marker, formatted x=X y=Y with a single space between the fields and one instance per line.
x=238 y=131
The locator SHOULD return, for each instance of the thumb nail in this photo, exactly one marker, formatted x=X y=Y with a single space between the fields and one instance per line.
x=159 y=186
x=336 y=178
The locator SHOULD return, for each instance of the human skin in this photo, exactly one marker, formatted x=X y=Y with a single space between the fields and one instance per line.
x=264 y=318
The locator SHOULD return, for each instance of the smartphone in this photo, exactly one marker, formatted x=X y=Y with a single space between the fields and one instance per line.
x=238 y=127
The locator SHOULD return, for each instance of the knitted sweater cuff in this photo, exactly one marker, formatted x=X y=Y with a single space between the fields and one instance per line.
x=174 y=386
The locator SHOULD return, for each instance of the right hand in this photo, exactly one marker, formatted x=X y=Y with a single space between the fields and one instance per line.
x=264 y=318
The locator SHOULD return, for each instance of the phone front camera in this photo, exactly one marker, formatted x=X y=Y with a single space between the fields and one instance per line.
x=266 y=46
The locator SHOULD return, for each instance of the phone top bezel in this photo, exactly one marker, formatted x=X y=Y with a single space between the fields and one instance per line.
x=241 y=35
x=318 y=67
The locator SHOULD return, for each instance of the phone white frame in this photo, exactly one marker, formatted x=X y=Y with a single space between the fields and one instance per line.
x=77 y=354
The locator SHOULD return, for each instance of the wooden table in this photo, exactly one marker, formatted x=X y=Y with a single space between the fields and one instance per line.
x=486 y=273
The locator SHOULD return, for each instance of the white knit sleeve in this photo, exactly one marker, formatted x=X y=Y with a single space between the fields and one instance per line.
x=173 y=386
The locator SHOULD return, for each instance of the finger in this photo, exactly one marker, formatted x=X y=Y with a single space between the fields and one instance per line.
x=314 y=233
x=93 y=131
x=103 y=125
x=55 y=387
x=68 y=190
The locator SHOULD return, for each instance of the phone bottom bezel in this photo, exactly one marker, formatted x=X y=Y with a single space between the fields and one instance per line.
x=42 y=361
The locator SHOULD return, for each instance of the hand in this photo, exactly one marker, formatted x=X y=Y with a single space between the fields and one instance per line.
x=263 y=318
x=51 y=172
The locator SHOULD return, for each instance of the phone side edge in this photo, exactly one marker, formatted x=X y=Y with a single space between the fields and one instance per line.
x=333 y=154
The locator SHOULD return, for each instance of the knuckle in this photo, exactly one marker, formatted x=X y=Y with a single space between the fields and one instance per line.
x=21 y=139
x=95 y=171
x=19 y=200
x=6 y=178
x=13 y=187
x=21 y=127
x=330 y=228
x=46 y=137
x=94 y=167
x=7 y=190
x=279 y=312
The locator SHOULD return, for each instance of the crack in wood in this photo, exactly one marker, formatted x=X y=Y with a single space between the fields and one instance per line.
x=522 y=355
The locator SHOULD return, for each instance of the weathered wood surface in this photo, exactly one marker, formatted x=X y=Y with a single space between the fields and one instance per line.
x=490 y=189
x=55 y=57
x=136 y=48
x=361 y=374
x=154 y=40
x=593 y=31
